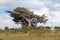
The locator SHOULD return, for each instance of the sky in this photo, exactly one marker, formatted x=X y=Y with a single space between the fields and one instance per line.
x=49 y=7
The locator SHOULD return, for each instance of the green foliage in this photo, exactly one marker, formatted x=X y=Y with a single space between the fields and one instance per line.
x=23 y=15
x=23 y=10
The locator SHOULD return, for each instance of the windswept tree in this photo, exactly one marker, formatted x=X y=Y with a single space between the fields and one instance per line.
x=23 y=16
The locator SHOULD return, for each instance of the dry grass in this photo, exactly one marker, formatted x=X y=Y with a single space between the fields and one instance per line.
x=32 y=35
x=20 y=36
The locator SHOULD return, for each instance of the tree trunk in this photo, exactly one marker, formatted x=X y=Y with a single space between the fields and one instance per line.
x=29 y=23
x=24 y=28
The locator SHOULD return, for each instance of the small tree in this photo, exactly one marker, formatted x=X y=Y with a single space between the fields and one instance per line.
x=6 y=28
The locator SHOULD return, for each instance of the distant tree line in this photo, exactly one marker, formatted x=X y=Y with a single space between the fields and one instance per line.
x=40 y=29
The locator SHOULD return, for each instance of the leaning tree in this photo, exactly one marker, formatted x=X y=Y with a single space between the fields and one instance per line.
x=23 y=16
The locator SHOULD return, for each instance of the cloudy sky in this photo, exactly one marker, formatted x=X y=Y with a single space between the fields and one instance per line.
x=49 y=7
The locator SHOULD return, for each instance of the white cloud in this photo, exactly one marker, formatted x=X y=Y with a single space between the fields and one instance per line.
x=31 y=4
x=55 y=19
x=2 y=2
x=43 y=10
x=57 y=5
x=57 y=16
x=6 y=20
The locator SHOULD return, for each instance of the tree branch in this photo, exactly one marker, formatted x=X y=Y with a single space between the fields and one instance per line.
x=17 y=13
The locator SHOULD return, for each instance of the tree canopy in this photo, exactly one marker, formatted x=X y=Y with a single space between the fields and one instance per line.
x=24 y=16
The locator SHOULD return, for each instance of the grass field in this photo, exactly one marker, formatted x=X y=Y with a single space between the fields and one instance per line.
x=17 y=36
x=31 y=35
